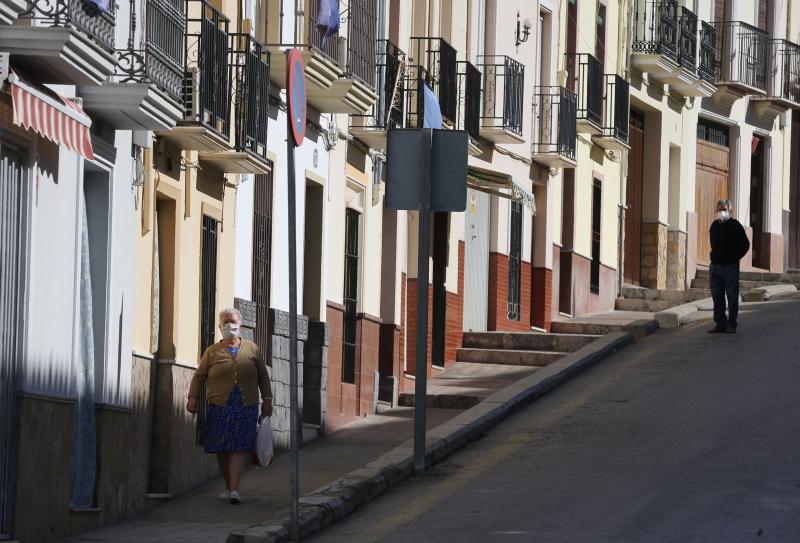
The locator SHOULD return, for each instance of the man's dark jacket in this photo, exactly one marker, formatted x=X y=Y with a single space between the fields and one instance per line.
x=729 y=242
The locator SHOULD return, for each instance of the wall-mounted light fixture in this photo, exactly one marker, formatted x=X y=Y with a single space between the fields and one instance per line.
x=523 y=31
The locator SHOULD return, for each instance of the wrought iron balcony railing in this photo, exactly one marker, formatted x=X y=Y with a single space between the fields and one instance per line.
x=784 y=71
x=207 y=92
x=708 y=53
x=554 y=122
x=742 y=55
x=687 y=40
x=159 y=58
x=250 y=69
x=617 y=108
x=433 y=60
x=656 y=28
x=503 y=88
x=81 y=15
x=328 y=45
x=362 y=17
x=469 y=99
x=585 y=79
x=390 y=69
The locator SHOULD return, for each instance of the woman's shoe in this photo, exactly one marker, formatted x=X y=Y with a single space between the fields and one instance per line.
x=224 y=495
x=235 y=498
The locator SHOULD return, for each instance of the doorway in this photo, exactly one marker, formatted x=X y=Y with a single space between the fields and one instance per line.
x=711 y=181
x=312 y=254
x=758 y=201
x=476 y=261
x=633 y=200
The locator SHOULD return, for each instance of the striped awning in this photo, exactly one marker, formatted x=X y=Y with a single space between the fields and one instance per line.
x=61 y=120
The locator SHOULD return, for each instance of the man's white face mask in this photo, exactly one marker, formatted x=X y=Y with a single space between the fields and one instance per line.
x=230 y=330
x=724 y=215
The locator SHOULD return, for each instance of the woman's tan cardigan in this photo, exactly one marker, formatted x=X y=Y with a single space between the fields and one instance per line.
x=219 y=368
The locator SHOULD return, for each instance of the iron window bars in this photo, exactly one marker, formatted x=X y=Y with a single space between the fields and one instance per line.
x=390 y=68
x=742 y=54
x=433 y=61
x=585 y=78
x=687 y=40
x=158 y=57
x=250 y=64
x=594 y=269
x=79 y=14
x=708 y=53
x=656 y=28
x=554 y=122
x=469 y=99
x=207 y=96
x=617 y=108
x=784 y=70
x=515 y=263
x=503 y=88
x=350 y=298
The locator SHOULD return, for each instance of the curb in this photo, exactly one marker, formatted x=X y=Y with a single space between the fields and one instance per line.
x=679 y=315
x=762 y=294
x=343 y=496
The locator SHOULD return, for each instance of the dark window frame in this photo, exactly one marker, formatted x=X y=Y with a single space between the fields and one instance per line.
x=515 y=262
x=597 y=212
x=352 y=255
x=208 y=304
x=262 y=255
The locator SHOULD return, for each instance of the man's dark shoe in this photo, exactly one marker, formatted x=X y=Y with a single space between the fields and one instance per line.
x=718 y=329
x=731 y=329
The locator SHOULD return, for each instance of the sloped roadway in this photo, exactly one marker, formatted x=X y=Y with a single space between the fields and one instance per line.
x=681 y=437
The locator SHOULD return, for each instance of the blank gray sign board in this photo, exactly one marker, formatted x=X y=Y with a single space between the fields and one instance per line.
x=407 y=159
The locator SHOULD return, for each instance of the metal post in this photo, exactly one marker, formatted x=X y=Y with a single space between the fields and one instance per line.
x=423 y=253
x=293 y=403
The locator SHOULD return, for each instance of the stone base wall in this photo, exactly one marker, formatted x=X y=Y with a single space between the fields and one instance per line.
x=654 y=255
x=315 y=374
x=676 y=260
x=278 y=359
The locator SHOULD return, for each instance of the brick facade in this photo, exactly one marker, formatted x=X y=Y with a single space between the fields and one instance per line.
x=498 y=295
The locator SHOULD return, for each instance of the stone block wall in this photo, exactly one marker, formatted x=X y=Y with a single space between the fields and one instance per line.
x=315 y=374
x=278 y=359
x=654 y=255
x=676 y=260
x=248 y=311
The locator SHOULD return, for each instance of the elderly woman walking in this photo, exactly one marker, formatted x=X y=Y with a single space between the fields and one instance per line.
x=236 y=374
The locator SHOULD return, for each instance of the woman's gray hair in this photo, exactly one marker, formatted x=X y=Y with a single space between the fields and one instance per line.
x=230 y=311
x=725 y=203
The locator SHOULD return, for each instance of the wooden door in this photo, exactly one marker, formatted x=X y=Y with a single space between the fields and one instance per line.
x=711 y=185
x=633 y=200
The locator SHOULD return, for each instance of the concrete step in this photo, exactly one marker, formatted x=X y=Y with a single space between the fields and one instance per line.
x=441 y=401
x=584 y=328
x=744 y=285
x=648 y=306
x=677 y=296
x=508 y=357
x=764 y=277
x=526 y=341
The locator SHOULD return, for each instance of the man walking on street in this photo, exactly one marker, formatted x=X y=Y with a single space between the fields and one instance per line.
x=729 y=244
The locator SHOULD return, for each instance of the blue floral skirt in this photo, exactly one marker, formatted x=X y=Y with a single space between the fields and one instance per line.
x=231 y=428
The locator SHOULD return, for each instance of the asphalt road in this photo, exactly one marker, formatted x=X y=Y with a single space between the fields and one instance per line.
x=681 y=437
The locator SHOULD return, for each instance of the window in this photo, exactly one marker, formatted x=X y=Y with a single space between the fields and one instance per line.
x=208 y=295
x=594 y=274
x=262 y=255
x=719 y=10
x=572 y=41
x=762 y=15
x=600 y=45
x=350 y=298
x=514 y=261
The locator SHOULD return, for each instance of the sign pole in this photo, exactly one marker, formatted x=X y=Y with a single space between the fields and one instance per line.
x=423 y=254
x=295 y=132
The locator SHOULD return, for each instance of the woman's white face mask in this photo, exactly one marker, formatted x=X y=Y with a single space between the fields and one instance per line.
x=230 y=330
x=724 y=215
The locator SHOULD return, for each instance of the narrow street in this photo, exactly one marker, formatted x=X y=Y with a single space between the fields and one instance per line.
x=680 y=437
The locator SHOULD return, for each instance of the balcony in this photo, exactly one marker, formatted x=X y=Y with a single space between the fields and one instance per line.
x=387 y=112
x=503 y=88
x=225 y=94
x=585 y=79
x=686 y=79
x=67 y=42
x=146 y=90
x=10 y=10
x=614 y=135
x=742 y=61
x=469 y=105
x=783 y=80
x=554 y=136
x=708 y=53
x=432 y=61
x=655 y=41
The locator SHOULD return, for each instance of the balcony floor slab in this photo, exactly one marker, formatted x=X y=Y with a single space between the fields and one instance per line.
x=321 y=72
x=375 y=138
x=499 y=134
x=131 y=106
x=235 y=162
x=194 y=137
x=610 y=143
x=58 y=55
x=344 y=96
x=554 y=160
x=10 y=10
x=659 y=66
x=585 y=126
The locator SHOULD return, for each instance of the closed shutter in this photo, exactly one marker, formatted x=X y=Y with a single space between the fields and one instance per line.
x=719 y=11
x=539 y=52
x=763 y=12
x=600 y=45
x=481 y=32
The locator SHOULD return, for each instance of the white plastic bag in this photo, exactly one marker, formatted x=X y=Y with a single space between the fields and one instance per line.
x=264 y=442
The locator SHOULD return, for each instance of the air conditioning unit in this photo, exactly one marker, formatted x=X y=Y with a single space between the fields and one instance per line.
x=191 y=94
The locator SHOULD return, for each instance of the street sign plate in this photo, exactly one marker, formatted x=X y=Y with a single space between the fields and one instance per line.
x=296 y=95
